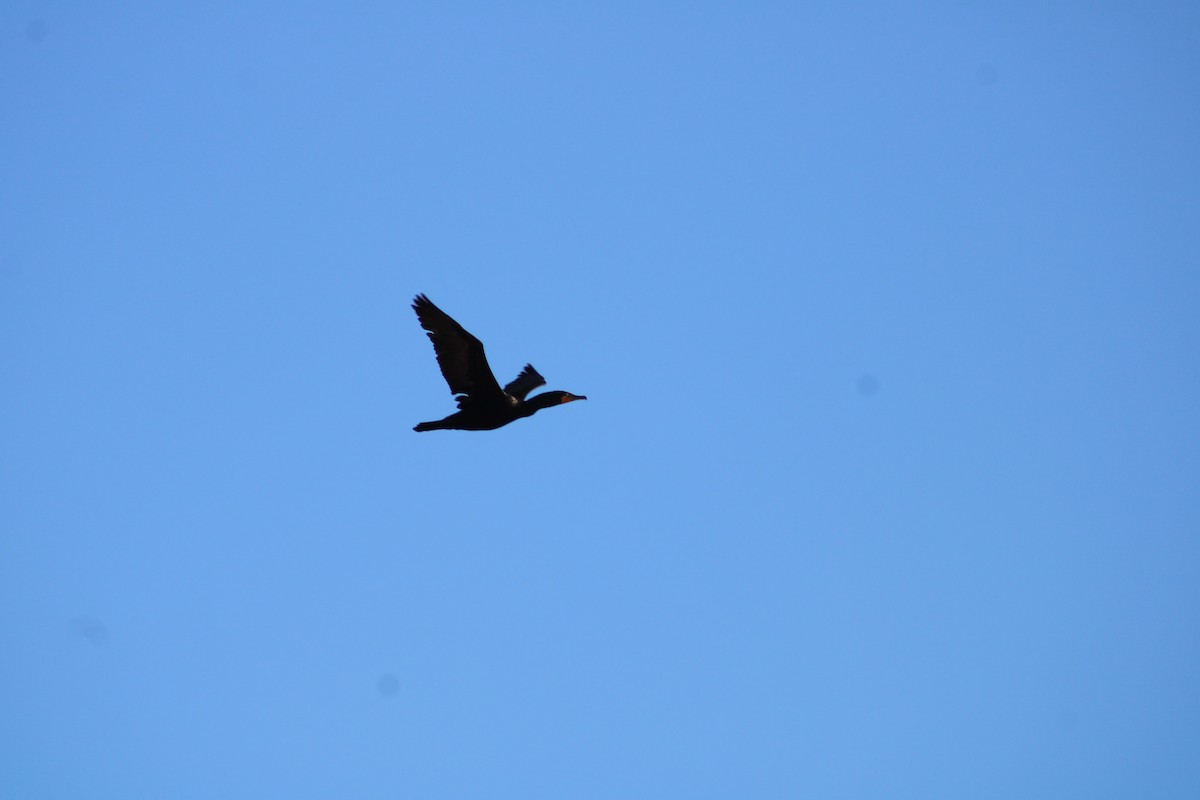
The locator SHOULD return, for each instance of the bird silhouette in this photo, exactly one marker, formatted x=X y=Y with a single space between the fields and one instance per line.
x=482 y=404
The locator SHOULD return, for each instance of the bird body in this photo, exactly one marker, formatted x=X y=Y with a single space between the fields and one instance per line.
x=482 y=404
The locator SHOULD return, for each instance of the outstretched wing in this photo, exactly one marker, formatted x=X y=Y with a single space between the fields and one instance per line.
x=459 y=354
x=526 y=382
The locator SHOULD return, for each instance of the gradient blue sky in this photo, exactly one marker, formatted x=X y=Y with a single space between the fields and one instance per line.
x=887 y=486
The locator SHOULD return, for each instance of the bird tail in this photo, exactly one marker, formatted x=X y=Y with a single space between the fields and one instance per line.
x=428 y=426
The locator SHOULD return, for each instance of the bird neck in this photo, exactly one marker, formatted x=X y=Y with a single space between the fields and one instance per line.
x=540 y=401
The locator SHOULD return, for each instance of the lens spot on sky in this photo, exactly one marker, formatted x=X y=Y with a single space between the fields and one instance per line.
x=88 y=629
x=985 y=74
x=868 y=385
x=388 y=685
x=36 y=30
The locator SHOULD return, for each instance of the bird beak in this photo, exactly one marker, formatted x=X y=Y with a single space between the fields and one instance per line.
x=571 y=397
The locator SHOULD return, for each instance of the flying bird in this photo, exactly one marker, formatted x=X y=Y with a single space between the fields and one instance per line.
x=482 y=404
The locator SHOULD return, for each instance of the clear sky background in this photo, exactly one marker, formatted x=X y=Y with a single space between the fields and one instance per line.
x=887 y=483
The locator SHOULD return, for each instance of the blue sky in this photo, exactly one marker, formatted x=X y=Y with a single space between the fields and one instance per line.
x=886 y=486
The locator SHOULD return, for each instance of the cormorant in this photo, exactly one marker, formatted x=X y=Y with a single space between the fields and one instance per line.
x=482 y=404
